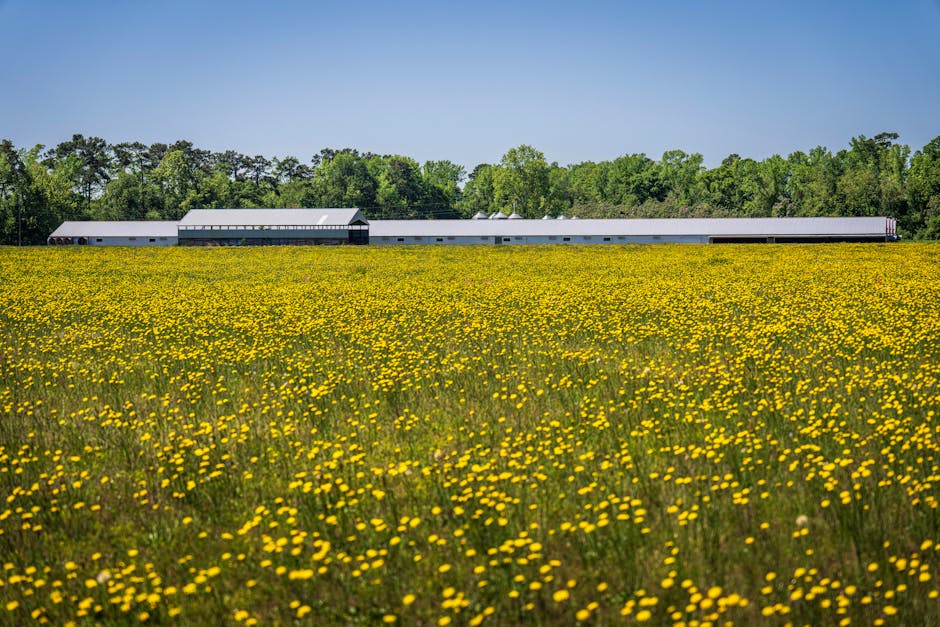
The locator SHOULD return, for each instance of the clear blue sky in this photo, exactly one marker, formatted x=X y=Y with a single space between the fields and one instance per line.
x=466 y=81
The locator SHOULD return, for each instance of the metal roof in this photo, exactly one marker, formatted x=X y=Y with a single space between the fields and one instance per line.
x=125 y=228
x=271 y=217
x=644 y=227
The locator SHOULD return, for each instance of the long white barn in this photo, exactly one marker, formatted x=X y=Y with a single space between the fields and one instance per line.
x=115 y=233
x=630 y=231
x=305 y=227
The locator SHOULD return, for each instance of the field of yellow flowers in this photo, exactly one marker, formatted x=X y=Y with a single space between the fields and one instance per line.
x=663 y=434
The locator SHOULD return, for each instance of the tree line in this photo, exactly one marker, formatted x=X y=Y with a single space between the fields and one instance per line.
x=86 y=178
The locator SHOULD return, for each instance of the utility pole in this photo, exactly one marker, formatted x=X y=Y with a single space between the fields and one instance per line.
x=19 y=221
x=140 y=187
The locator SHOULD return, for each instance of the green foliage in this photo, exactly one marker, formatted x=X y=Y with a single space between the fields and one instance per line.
x=520 y=184
x=85 y=178
x=478 y=193
x=923 y=190
x=444 y=176
x=344 y=181
x=92 y=157
x=679 y=172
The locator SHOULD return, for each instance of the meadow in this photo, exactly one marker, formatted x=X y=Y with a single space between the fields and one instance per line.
x=681 y=435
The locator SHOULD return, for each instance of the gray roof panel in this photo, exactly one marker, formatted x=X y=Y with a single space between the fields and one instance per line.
x=639 y=227
x=123 y=228
x=271 y=217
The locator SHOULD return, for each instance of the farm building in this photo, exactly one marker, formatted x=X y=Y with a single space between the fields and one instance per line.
x=123 y=233
x=505 y=230
x=273 y=227
x=305 y=227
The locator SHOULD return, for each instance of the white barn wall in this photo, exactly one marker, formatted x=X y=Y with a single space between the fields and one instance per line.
x=133 y=241
x=533 y=240
x=628 y=231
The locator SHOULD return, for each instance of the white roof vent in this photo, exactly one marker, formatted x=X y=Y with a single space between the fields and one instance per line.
x=515 y=216
x=547 y=217
x=574 y=217
x=499 y=215
x=561 y=217
x=480 y=216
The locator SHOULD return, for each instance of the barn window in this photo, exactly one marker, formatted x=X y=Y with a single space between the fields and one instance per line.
x=566 y=239
x=606 y=239
x=506 y=239
x=153 y=239
x=440 y=239
x=401 y=239
x=98 y=239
